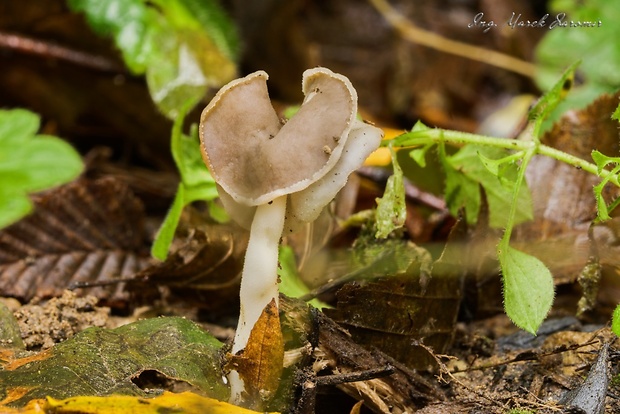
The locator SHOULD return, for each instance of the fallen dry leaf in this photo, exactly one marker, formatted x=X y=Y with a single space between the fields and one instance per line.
x=86 y=231
x=399 y=309
x=261 y=362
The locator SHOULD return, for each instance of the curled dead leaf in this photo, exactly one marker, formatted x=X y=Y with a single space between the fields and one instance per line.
x=260 y=364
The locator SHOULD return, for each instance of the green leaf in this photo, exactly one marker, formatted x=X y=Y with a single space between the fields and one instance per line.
x=462 y=191
x=602 y=160
x=562 y=46
x=218 y=25
x=30 y=163
x=183 y=46
x=615 y=321
x=13 y=207
x=556 y=94
x=528 y=288
x=419 y=154
x=616 y=114
x=107 y=361
x=410 y=138
x=17 y=125
x=391 y=208
x=465 y=173
x=183 y=66
x=419 y=126
x=217 y=212
x=129 y=22
x=290 y=282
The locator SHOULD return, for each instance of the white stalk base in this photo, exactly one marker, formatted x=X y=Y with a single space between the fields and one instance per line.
x=259 y=280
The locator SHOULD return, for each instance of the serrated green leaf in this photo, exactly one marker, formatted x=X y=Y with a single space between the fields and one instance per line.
x=491 y=165
x=38 y=163
x=465 y=173
x=528 y=288
x=130 y=24
x=220 y=28
x=602 y=161
x=615 y=321
x=391 y=208
x=601 y=205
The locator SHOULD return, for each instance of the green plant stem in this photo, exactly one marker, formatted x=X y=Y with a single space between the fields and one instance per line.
x=434 y=136
x=505 y=241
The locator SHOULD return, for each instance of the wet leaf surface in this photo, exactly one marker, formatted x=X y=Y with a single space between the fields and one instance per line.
x=104 y=362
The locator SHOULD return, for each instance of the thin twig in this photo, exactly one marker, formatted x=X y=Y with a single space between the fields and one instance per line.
x=429 y=39
x=41 y=48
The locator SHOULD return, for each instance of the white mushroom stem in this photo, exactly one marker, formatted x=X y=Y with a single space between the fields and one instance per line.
x=259 y=280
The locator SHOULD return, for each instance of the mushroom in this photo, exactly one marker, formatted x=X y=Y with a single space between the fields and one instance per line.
x=272 y=176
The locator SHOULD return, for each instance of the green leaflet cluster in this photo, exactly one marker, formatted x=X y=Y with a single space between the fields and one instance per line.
x=498 y=166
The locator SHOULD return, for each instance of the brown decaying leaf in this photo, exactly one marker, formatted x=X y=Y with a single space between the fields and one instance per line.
x=392 y=313
x=260 y=364
x=86 y=231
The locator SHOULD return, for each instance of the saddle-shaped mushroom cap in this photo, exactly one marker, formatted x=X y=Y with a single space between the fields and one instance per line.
x=254 y=157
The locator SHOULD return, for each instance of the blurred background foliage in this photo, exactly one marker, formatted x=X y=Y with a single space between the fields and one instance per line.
x=115 y=74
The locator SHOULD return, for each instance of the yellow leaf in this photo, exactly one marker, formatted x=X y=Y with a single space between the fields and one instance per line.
x=182 y=403
x=260 y=364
